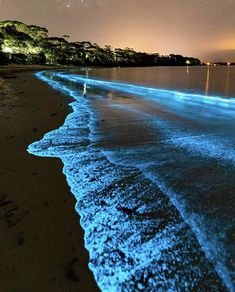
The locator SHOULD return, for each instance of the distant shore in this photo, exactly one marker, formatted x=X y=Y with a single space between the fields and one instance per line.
x=42 y=246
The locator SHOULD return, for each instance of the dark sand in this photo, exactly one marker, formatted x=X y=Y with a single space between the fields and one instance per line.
x=41 y=246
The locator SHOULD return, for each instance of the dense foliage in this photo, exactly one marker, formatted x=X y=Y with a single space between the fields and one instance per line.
x=30 y=44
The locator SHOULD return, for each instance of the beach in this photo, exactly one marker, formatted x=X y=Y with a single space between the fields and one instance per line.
x=148 y=169
x=42 y=245
x=148 y=173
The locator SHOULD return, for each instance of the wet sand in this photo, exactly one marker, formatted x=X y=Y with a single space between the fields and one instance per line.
x=41 y=247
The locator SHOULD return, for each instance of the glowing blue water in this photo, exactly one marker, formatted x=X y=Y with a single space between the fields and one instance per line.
x=153 y=174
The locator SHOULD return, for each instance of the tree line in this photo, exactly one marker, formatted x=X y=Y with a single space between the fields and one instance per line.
x=29 y=44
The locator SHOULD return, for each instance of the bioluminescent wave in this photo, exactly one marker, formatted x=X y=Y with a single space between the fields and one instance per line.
x=153 y=175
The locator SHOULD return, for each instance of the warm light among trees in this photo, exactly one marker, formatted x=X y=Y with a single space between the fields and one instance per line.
x=30 y=44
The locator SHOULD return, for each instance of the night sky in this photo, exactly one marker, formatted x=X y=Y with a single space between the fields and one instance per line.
x=199 y=28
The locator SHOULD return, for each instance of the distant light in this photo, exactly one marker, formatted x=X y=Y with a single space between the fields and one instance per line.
x=208 y=64
x=188 y=62
x=228 y=64
x=7 y=49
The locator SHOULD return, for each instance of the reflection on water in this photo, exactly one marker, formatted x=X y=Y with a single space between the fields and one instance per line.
x=207 y=80
x=212 y=80
x=153 y=173
x=227 y=86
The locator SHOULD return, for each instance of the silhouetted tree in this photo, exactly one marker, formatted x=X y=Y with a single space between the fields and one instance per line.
x=23 y=43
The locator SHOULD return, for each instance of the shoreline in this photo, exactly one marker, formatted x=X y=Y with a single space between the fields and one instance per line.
x=41 y=235
x=119 y=188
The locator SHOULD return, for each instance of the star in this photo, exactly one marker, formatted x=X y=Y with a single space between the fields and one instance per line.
x=82 y=3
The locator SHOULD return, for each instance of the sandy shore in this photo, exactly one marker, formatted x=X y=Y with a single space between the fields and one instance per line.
x=41 y=247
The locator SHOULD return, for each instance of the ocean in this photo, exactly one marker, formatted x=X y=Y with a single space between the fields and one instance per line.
x=149 y=154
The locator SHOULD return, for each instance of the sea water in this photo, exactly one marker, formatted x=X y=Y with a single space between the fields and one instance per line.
x=151 y=165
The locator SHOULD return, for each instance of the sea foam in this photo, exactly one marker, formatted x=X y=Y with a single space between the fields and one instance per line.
x=140 y=228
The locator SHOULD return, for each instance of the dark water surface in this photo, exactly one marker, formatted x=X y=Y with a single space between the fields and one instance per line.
x=208 y=80
x=153 y=172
